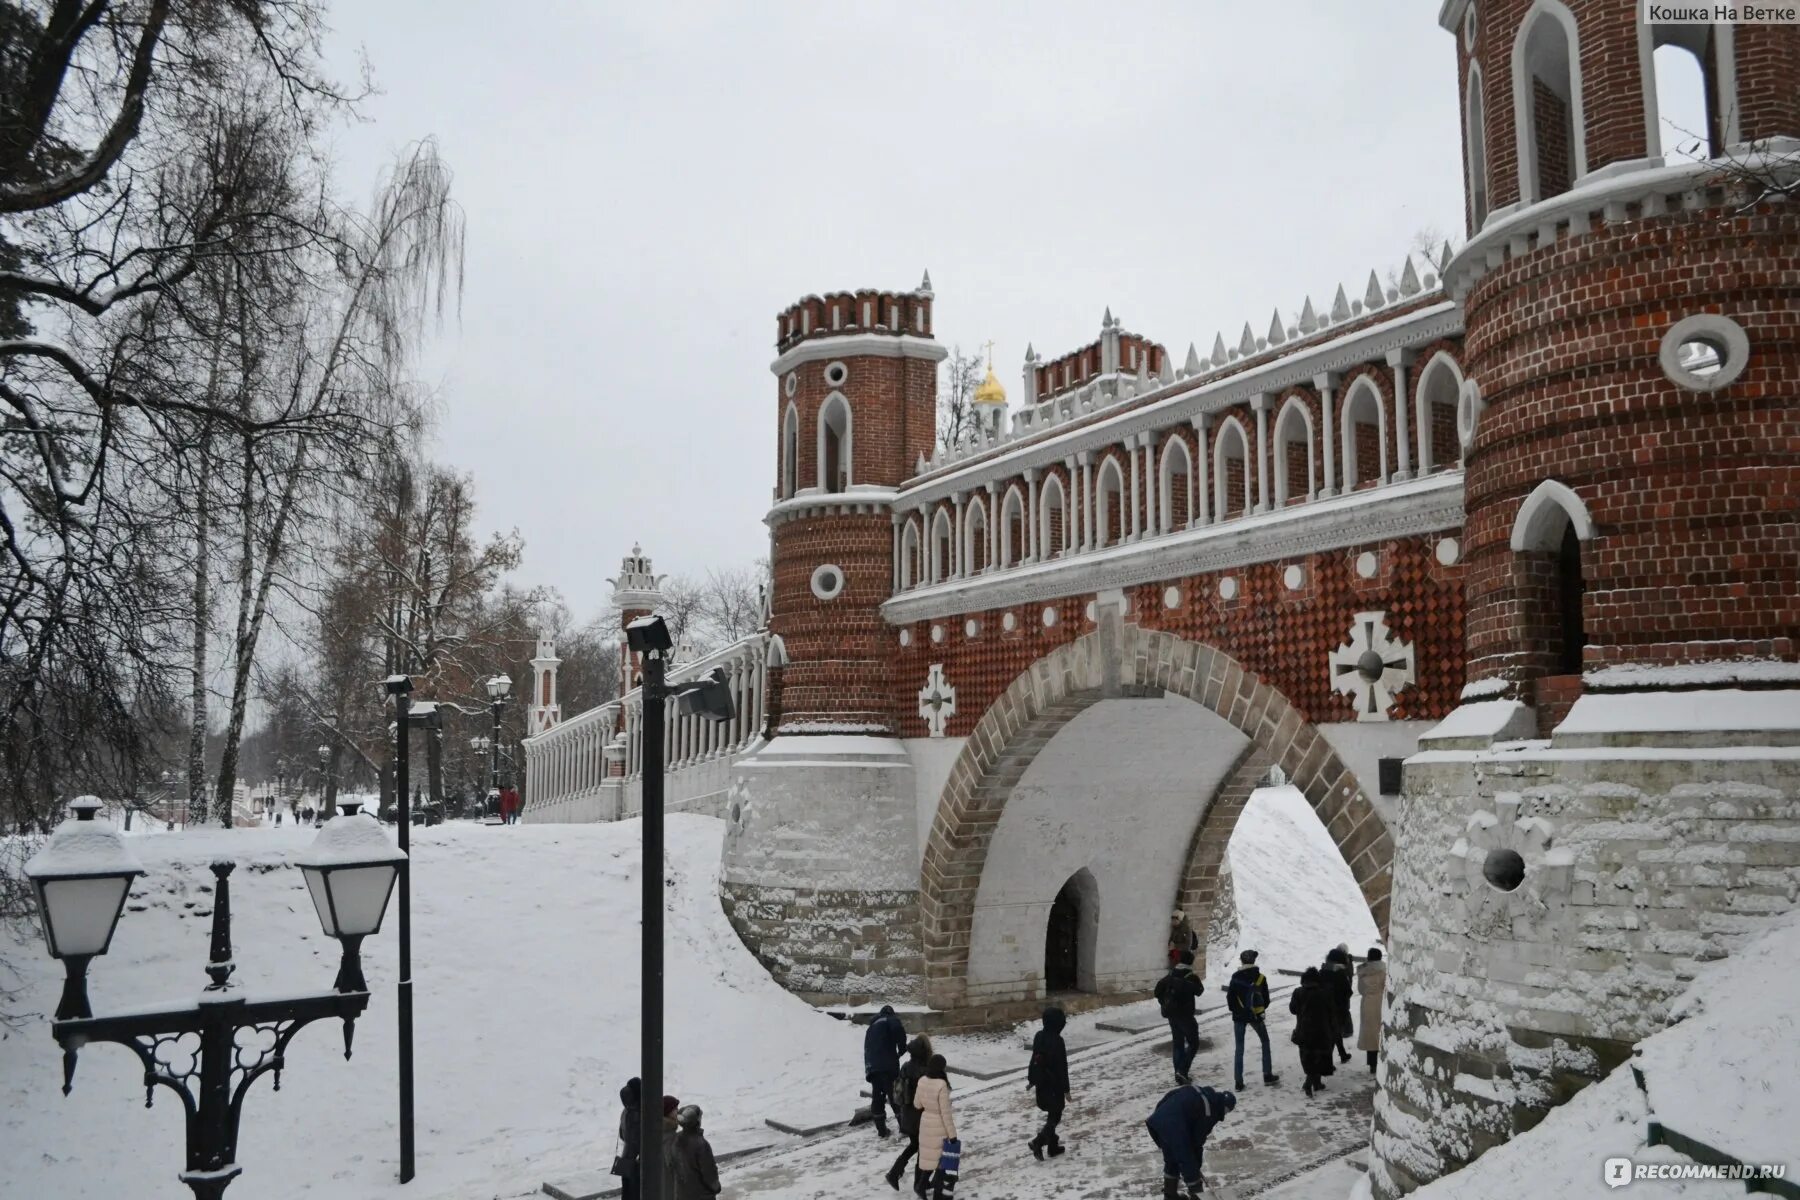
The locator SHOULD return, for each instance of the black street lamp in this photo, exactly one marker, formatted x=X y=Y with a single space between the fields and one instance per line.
x=324 y=784
x=82 y=877
x=498 y=688
x=710 y=699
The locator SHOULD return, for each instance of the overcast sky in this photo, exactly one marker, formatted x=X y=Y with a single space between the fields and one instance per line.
x=647 y=185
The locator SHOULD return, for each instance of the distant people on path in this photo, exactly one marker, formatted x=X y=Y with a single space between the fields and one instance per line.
x=1181 y=937
x=690 y=1156
x=882 y=1043
x=906 y=1113
x=628 y=1160
x=1048 y=1077
x=1177 y=994
x=1247 y=996
x=1314 y=1006
x=1371 y=982
x=509 y=805
x=1179 y=1126
x=1338 y=982
x=937 y=1124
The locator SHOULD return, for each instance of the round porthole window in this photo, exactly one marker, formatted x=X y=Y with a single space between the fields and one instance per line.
x=1448 y=551
x=1228 y=588
x=906 y=637
x=790 y=384
x=1092 y=611
x=835 y=374
x=1172 y=597
x=971 y=627
x=1367 y=564
x=1294 y=577
x=1049 y=618
x=1470 y=27
x=828 y=582
x=1009 y=622
x=1504 y=869
x=1704 y=352
x=937 y=634
x=1468 y=413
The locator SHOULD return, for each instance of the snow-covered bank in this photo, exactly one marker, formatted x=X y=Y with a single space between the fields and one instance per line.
x=525 y=958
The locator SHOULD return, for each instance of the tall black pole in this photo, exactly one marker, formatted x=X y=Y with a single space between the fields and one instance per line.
x=400 y=687
x=494 y=755
x=650 y=1070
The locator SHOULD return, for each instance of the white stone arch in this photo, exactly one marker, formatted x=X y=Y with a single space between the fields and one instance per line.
x=1362 y=395
x=942 y=547
x=1109 y=480
x=1548 y=26
x=1230 y=433
x=1168 y=520
x=911 y=561
x=1294 y=423
x=1052 y=499
x=836 y=422
x=790 y=451
x=1011 y=505
x=1439 y=383
x=1550 y=507
x=1719 y=73
x=975 y=537
x=1475 y=149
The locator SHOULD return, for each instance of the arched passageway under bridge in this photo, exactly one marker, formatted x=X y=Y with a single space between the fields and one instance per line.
x=1126 y=755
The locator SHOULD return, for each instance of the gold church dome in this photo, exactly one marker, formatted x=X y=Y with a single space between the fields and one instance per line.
x=989 y=390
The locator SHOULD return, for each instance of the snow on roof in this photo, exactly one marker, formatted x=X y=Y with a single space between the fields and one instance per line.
x=347 y=839
x=1722 y=710
x=83 y=848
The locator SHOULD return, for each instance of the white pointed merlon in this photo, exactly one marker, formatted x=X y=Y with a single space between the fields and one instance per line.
x=1372 y=297
x=1218 y=354
x=1309 y=320
x=1277 y=334
x=1444 y=257
x=1030 y=354
x=1192 y=366
x=925 y=285
x=1340 y=305
x=1143 y=371
x=1106 y=322
x=1167 y=374
x=1409 y=279
x=1247 y=343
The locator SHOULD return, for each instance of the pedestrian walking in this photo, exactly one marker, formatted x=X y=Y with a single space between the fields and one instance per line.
x=671 y=1127
x=1371 y=982
x=692 y=1166
x=1177 y=994
x=509 y=805
x=1338 y=982
x=937 y=1126
x=906 y=1113
x=1181 y=937
x=882 y=1043
x=1247 y=996
x=1315 y=1027
x=1048 y=1077
x=1179 y=1126
x=627 y=1159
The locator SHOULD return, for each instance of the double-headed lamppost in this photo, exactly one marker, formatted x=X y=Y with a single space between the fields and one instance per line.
x=81 y=878
x=498 y=688
x=324 y=784
x=708 y=698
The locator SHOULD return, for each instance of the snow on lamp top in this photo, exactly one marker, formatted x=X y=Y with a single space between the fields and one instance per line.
x=350 y=870
x=81 y=878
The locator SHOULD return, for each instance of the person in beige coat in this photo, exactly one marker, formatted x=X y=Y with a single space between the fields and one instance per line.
x=936 y=1122
x=1371 y=981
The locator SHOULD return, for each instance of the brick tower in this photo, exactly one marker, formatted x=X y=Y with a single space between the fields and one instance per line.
x=818 y=872
x=636 y=592
x=544 y=712
x=1632 y=536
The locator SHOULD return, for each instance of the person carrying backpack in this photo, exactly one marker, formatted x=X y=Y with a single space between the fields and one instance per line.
x=1048 y=1076
x=882 y=1044
x=1247 y=996
x=1177 y=993
x=1179 y=1127
x=906 y=1115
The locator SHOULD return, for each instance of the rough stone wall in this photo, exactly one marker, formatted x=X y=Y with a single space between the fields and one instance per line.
x=1638 y=866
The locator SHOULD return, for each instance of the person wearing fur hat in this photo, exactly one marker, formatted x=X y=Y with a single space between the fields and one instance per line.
x=690 y=1157
x=1179 y=1127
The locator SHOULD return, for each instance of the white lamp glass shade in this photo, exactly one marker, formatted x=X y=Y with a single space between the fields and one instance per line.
x=352 y=900
x=79 y=914
x=321 y=898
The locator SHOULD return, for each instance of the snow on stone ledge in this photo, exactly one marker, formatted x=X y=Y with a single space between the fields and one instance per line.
x=1710 y=674
x=1724 y=710
x=1484 y=720
x=83 y=848
x=345 y=839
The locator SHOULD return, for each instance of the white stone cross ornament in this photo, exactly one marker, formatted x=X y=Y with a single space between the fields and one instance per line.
x=1373 y=667
x=937 y=700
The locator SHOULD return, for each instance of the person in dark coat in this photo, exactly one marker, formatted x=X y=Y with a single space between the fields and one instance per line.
x=690 y=1157
x=1048 y=1076
x=1247 y=996
x=1179 y=1127
x=628 y=1165
x=670 y=1128
x=1314 y=1006
x=1177 y=994
x=882 y=1044
x=918 y=1057
x=1342 y=986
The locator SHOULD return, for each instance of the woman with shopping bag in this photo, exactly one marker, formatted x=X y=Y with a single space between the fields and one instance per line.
x=940 y=1151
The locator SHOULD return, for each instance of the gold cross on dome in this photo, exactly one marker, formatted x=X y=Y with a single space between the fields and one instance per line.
x=989 y=347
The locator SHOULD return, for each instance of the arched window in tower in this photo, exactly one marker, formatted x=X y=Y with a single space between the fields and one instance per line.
x=1572 y=629
x=790 y=452
x=1475 y=146
x=943 y=542
x=1231 y=470
x=1434 y=413
x=1294 y=453
x=1684 y=90
x=975 y=538
x=1053 y=526
x=834 y=444
x=1365 y=448
x=910 y=556
x=1175 y=486
x=1109 y=503
x=1547 y=104
x=1014 y=538
x=1550 y=577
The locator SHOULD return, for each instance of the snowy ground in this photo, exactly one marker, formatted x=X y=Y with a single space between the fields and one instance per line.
x=525 y=967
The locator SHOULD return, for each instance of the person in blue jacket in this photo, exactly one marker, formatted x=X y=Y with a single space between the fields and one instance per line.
x=1179 y=1127
x=882 y=1045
